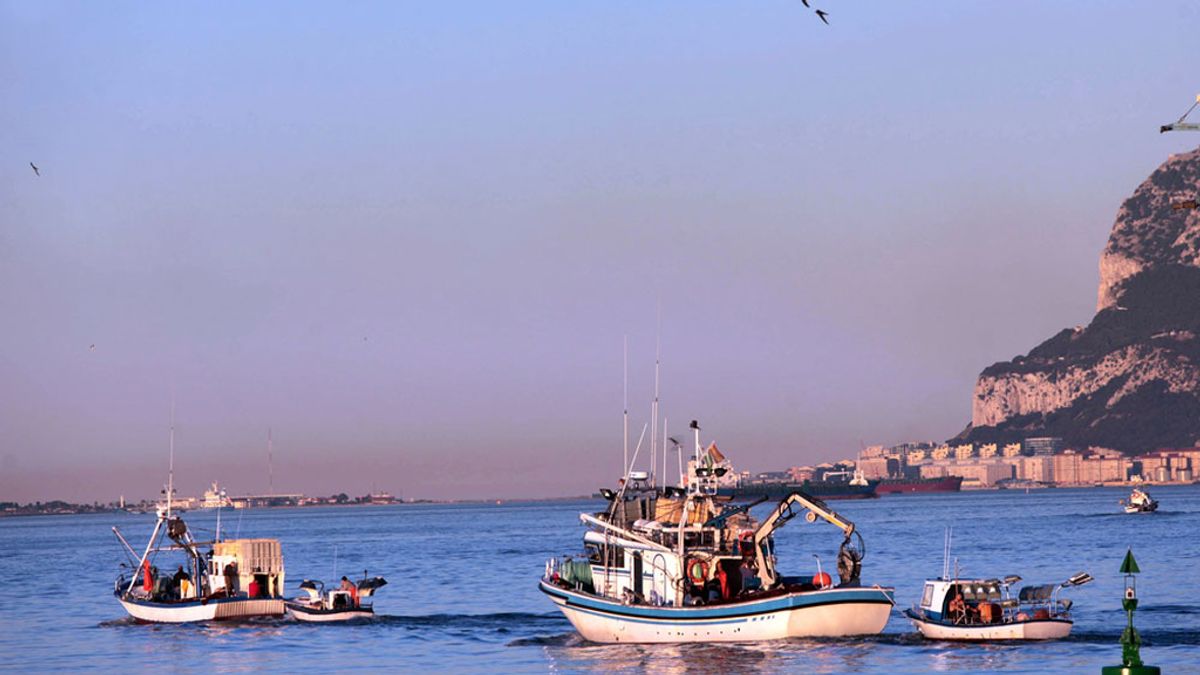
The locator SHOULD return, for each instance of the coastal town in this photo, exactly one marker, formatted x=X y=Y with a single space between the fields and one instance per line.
x=1032 y=463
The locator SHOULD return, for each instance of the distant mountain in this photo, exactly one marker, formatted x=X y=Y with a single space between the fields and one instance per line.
x=1130 y=379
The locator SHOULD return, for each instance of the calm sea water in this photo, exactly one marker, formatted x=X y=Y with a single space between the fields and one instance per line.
x=462 y=589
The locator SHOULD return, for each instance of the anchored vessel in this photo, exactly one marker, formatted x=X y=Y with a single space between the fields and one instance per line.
x=680 y=564
x=236 y=579
x=337 y=604
x=1140 y=501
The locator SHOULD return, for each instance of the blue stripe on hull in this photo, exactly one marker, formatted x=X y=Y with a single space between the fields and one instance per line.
x=735 y=611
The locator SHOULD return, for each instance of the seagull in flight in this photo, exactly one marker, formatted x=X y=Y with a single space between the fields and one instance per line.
x=822 y=13
x=35 y=169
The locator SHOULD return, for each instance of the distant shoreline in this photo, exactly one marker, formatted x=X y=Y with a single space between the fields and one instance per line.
x=86 y=509
x=66 y=509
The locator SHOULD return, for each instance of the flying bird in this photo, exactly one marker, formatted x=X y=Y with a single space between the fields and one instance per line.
x=805 y=2
x=35 y=169
x=92 y=348
x=822 y=13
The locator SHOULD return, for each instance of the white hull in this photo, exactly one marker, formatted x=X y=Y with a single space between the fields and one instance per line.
x=192 y=612
x=312 y=615
x=1037 y=629
x=830 y=616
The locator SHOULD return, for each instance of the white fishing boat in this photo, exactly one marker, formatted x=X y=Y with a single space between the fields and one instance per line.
x=235 y=579
x=1140 y=501
x=680 y=564
x=342 y=603
x=985 y=610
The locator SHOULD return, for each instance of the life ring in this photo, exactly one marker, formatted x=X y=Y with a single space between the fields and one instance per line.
x=697 y=571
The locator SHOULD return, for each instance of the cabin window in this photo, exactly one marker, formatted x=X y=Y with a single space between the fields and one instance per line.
x=927 y=598
x=615 y=558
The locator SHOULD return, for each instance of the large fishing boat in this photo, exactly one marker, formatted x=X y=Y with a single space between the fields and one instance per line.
x=681 y=564
x=235 y=579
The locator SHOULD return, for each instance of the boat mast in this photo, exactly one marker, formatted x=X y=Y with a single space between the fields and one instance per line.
x=625 y=403
x=654 y=405
x=171 y=461
x=270 y=466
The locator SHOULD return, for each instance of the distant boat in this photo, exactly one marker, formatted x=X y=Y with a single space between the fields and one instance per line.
x=1140 y=501
x=889 y=486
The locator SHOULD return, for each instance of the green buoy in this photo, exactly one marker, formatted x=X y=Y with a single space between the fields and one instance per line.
x=1131 y=660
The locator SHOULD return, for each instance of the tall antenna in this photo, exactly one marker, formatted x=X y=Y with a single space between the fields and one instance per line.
x=625 y=403
x=270 y=466
x=654 y=405
x=171 y=461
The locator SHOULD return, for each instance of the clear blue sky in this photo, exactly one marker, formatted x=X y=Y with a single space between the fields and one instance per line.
x=844 y=225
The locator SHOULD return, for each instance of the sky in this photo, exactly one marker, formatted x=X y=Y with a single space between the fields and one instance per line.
x=410 y=238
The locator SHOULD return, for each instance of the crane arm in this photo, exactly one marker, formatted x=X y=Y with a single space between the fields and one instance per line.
x=1180 y=125
x=784 y=512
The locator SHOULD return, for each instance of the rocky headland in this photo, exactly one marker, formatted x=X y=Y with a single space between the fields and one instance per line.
x=1130 y=379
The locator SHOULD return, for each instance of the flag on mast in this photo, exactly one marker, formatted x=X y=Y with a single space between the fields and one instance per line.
x=714 y=455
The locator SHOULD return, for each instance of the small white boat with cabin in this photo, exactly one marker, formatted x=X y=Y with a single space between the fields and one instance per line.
x=336 y=604
x=235 y=579
x=985 y=610
x=1140 y=501
x=680 y=564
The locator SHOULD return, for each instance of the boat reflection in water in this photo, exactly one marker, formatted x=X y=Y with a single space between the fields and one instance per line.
x=680 y=564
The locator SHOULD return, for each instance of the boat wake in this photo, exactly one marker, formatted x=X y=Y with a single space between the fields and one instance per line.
x=1155 y=638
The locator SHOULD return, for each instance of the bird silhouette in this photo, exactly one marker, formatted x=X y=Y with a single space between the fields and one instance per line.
x=805 y=2
x=35 y=169
x=92 y=348
x=822 y=13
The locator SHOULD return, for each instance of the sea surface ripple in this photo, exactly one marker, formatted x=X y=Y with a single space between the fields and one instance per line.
x=462 y=593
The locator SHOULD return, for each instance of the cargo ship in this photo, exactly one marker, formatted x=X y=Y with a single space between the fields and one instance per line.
x=889 y=486
x=855 y=488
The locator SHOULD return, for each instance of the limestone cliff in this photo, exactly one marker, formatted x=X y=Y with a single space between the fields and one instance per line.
x=1131 y=378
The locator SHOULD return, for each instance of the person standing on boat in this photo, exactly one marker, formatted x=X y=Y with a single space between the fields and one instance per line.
x=177 y=581
x=350 y=588
x=230 y=573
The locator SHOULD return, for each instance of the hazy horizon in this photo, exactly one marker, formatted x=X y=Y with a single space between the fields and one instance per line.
x=411 y=238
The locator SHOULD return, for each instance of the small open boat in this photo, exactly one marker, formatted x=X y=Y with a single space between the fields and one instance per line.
x=985 y=610
x=337 y=604
x=1140 y=501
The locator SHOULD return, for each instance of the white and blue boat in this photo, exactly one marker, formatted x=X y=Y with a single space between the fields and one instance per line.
x=986 y=610
x=680 y=564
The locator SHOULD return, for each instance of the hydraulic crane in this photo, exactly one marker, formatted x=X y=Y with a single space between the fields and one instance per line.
x=1180 y=125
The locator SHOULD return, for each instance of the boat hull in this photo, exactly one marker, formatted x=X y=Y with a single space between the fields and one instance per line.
x=889 y=486
x=829 y=613
x=302 y=612
x=1032 y=629
x=215 y=609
